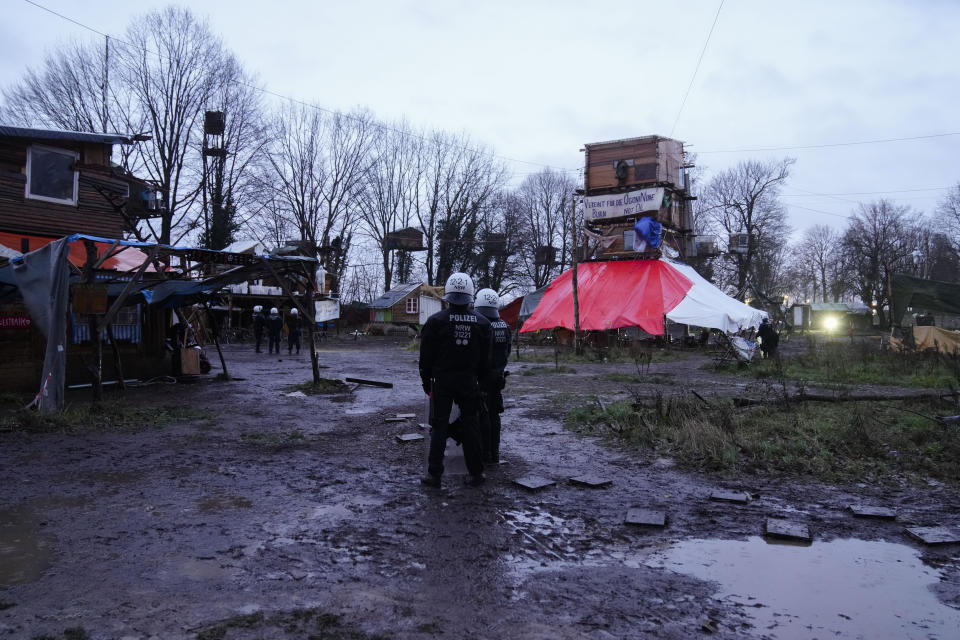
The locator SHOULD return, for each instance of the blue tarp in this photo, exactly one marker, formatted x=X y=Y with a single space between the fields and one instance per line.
x=648 y=230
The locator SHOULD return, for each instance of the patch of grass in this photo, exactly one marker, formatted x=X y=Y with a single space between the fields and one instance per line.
x=605 y=355
x=325 y=386
x=830 y=442
x=861 y=363
x=76 y=633
x=113 y=416
x=636 y=378
x=6 y=605
x=539 y=371
x=310 y=624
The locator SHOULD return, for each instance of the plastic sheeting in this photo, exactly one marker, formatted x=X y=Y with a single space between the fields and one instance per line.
x=634 y=293
x=639 y=293
x=43 y=278
x=648 y=230
x=707 y=306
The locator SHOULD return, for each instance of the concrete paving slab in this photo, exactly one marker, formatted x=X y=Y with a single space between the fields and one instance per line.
x=406 y=415
x=778 y=528
x=409 y=437
x=738 y=497
x=534 y=483
x=646 y=518
x=935 y=535
x=592 y=481
x=866 y=511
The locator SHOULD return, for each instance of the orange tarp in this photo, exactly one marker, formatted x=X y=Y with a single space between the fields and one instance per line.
x=127 y=260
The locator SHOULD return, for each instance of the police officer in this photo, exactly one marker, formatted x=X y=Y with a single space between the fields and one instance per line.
x=488 y=304
x=259 y=322
x=274 y=329
x=454 y=361
x=293 y=331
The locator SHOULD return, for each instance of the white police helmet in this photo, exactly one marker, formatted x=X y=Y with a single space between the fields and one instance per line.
x=294 y=311
x=258 y=309
x=488 y=303
x=459 y=289
x=274 y=312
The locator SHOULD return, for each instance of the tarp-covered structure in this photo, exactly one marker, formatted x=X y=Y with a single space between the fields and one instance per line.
x=927 y=295
x=639 y=293
x=128 y=269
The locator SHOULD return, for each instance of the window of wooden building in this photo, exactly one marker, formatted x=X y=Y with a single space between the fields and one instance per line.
x=413 y=305
x=52 y=174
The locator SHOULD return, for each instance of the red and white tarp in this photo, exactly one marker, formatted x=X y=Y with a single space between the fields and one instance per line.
x=639 y=293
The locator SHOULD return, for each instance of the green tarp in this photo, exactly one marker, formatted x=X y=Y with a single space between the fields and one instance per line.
x=934 y=296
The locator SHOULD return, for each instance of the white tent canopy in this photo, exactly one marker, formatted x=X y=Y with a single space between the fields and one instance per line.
x=707 y=306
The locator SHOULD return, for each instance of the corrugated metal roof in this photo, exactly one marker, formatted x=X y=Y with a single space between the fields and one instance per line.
x=393 y=296
x=74 y=136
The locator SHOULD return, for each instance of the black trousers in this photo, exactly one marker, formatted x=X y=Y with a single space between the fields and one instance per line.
x=274 y=342
x=258 y=337
x=293 y=340
x=465 y=392
x=491 y=407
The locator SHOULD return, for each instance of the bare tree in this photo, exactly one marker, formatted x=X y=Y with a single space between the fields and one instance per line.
x=386 y=202
x=318 y=162
x=545 y=200
x=455 y=183
x=744 y=199
x=173 y=65
x=77 y=88
x=948 y=214
x=230 y=185
x=878 y=242
x=818 y=248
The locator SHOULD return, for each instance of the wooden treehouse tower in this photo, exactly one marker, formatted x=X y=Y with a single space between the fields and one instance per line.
x=626 y=181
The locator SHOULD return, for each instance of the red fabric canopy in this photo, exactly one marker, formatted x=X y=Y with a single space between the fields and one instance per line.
x=129 y=259
x=633 y=293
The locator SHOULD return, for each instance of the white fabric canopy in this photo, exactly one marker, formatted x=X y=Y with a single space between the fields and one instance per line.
x=706 y=306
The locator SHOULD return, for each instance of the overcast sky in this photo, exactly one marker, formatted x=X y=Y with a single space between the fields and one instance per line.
x=536 y=80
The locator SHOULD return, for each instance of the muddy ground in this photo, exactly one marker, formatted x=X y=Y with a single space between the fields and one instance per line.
x=285 y=517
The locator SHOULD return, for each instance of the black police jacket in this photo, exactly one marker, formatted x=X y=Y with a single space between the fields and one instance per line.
x=500 y=352
x=455 y=342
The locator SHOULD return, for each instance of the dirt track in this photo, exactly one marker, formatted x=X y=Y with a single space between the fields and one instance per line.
x=287 y=505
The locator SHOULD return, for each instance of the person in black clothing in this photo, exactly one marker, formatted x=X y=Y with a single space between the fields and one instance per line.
x=259 y=322
x=293 y=331
x=488 y=304
x=769 y=338
x=274 y=329
x=454 y=362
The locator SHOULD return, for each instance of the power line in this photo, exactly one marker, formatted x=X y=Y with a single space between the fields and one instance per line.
x=858 y=193
x=696 y=69
x=375 y=123
x=834 y=144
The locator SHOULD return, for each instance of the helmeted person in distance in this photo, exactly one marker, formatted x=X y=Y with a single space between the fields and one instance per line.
x=259 y=324
x=488 y=305
x=769 y=338
x=275 y=329
x=293 y=331
x=454 y=361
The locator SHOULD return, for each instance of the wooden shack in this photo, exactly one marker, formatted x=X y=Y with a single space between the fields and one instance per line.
x=54 y=184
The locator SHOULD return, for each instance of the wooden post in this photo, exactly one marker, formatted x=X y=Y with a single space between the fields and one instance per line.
x=578 y=343
x=117 y=363
x=312 y=326
x=96 y=367
x=215 y=330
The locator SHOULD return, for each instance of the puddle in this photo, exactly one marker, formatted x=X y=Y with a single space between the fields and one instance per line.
x=844 y=588
x=24 y=556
